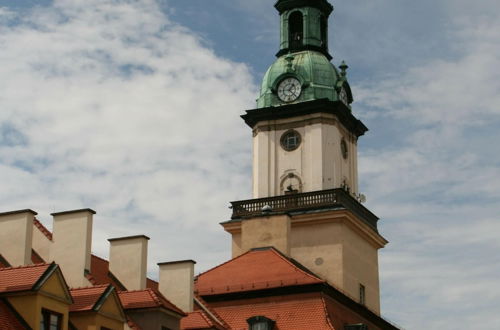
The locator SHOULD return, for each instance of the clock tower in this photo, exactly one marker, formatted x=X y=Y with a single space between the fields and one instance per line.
x=306 y=201
x=304 y=134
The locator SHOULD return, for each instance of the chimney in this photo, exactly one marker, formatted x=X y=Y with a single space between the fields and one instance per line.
x=72 y=241
x=16 y=236
x=176 y=283
x=128 y=259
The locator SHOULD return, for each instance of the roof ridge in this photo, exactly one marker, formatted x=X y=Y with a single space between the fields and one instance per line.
x=89 y=287
x=132 y=291
x=100 y=258
x=204 y=305
x=161 y=297
x=224 y=263
x=292 y=263
x=25 y=266
x=328 y=321
x=42 y=229
x=154 y=296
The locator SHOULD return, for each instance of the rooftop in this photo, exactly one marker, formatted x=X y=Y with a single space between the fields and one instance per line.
x=255 y=270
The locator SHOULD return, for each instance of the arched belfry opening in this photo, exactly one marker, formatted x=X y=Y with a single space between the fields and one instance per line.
x=296 y=30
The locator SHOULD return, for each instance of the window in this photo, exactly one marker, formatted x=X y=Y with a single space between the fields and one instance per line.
x=362 y=294
x=295 y=30
x=50 y=320
x=290 y=140
x=343 y=148
x=260 y=323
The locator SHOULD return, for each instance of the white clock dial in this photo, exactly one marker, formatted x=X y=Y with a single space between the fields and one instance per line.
x=343 y=96
x=289 y=90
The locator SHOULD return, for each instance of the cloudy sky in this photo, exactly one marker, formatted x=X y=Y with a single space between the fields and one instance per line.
x=131 y=107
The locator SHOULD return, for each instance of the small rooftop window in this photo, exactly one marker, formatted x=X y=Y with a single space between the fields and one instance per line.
x=260 y=323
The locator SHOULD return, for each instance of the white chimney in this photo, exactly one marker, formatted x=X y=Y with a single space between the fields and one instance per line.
x=177 y=283
x=72 y=241
x=128 y=259
x=16 y=236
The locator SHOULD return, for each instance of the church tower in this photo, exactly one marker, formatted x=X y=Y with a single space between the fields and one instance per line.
x=305 y=178
x=306 y=137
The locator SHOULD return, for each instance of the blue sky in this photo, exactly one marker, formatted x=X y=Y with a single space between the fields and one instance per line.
x=132 y=108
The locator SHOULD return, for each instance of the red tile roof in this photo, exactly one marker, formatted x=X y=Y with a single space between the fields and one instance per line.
x=3 y=263
x=198 y=320
x=8 y=318
x=35 y=258
x=146 y=299
x=294 y=312
x=132 y=325
x=21 y=278
x=100 y=267
x=210 y=313
x=84 y=299
x=254 y=270
x=43 y=229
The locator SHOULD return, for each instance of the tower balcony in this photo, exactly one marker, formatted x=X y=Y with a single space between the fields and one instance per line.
x=315 y=201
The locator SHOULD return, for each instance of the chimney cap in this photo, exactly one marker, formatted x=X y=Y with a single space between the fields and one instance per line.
x=19 y=212
x=73 y=211
x=176 y=262
x=127 y=238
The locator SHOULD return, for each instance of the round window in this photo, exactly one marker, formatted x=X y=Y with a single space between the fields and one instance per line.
x=343 y=148
x=290 y=140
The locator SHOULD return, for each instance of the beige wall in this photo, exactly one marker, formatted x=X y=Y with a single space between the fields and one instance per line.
x=266 y=231
x=176 y=282
x=41 y=244
x=16 y=236
x=128 y=257
x=318 y=162
x=335 y=245
x=72 y=240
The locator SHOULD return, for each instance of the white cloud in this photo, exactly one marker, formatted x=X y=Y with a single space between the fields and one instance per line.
x=118 y=109
x=436 y=184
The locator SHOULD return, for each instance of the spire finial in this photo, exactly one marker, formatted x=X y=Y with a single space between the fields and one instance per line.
x=343 y=69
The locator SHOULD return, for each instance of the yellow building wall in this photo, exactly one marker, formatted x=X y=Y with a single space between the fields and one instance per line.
x=30 y=308
x=51 y=296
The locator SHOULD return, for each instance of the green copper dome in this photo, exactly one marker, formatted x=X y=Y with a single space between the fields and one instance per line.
x=318 y=77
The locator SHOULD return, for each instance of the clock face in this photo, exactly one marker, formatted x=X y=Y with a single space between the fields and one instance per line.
x=289 y=90
x=343 y=96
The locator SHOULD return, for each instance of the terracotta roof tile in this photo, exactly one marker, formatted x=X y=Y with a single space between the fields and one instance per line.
x=210 y=313
x=84 y=299
x=197 y=320
x=132 y=325
x=43 y=229
x=35 y=258
x=295 y=312
x=146 y=299
x=100 y=273
x=8 y=318
x=254 y=270
x=21 y=278
x=3 y=262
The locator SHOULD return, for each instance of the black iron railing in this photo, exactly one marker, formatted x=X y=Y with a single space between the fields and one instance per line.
x=302 y=202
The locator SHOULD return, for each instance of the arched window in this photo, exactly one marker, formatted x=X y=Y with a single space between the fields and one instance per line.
x=296 y=29
x=324 y=31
